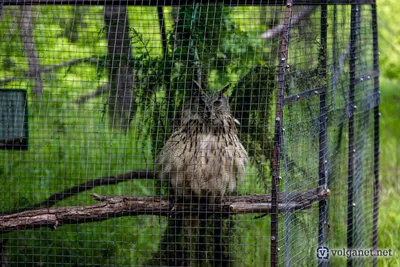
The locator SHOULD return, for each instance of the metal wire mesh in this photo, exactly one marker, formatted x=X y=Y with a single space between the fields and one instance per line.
x=111 y=93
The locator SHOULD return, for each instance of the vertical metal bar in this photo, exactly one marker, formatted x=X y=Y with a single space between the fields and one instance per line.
x=376 y=133
x=163 y=32
x=1 y=8
x=323 y=116
x=335 y=54
x=351 y=153
x=278 y=135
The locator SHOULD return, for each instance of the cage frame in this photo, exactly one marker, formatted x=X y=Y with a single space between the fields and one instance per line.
x=179 y=2
x=281 y=101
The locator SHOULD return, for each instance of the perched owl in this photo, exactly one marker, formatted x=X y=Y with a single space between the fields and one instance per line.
x=204 y=157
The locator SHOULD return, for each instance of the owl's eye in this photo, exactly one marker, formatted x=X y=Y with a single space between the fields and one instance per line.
x=218 y=102
x=202 y=101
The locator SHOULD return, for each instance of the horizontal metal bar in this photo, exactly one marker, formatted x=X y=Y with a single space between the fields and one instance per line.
x=366 y=103
x=316 y=91
x=366 y=76
x=179 y=2
x=303 y=95
x=369 y=102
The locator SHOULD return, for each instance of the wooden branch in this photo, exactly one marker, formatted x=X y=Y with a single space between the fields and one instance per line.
x=72 y=191
x=278 y=29
x=26 y=32
x=51 y=68
x=71 y=63
x=118 y=206
x=99 y=91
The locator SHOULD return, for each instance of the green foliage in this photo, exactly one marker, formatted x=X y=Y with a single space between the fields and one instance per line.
x=72 y=143
x=389 y=40
x=65 y=150
x=257 y=88
x=389 y=219
x=389 y=213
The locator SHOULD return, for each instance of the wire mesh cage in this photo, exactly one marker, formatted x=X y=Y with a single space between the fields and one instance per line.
x=188 y=133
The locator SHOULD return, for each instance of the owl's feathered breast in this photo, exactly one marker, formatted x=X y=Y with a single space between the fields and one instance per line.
x=203 y=157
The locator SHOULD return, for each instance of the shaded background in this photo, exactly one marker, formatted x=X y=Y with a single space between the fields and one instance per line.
x=389 y=48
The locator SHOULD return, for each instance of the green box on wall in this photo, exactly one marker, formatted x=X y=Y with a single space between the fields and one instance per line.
x=13 y=119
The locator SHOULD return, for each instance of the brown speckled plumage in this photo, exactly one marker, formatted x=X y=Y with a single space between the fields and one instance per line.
x=204 y=156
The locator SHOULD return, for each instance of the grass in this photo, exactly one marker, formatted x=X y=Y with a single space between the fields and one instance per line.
x=389 y=216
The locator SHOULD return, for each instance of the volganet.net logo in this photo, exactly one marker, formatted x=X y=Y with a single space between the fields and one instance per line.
x=324 y=253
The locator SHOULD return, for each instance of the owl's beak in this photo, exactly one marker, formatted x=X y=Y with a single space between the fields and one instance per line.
x=209 y=113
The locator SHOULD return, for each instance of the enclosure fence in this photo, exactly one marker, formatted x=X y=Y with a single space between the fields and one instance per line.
x=188 y=133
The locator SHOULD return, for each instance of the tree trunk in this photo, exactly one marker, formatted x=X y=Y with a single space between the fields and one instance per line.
x=199 y=240
x=121 y=102
x=26 y=32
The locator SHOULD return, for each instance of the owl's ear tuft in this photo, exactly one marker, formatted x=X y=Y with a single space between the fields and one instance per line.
x=224 y=89
x=199 y=88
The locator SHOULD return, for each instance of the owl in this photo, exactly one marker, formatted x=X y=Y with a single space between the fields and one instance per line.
x=204 y=157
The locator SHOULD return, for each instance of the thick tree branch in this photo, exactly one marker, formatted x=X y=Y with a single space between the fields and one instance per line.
x=121 y=99
x=99 y=91
x=72 y=191
x=26 y=32
x=278 y=29
x=52 y=68
x=118 y=206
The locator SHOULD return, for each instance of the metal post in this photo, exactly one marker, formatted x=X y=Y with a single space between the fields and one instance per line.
x=278 y=135
x=323 y=116
x=376 y=133
x=351 y=153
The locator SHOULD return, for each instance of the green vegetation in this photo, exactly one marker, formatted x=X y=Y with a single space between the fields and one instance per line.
x=389 y=47
x=389 y=214
x=71 y=143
